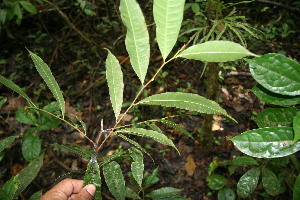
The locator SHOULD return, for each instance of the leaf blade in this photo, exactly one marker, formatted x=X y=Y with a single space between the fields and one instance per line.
x=296 y=127
x=248 y=182
x=270 y=182
x=92 y=176
x=6 y=142
x=137 y=167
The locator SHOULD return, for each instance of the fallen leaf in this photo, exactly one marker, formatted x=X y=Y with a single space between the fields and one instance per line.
x=190 y=166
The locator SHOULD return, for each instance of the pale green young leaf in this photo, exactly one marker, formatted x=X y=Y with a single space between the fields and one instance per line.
x=28 y=7
x=6 y=142
x=248 y=182
x=185 y=101
x=115 y=83
x=92 y=176
x=216 y=51
x=270 y=182
x=296 y=127
x=151 y=179
x=46 y=74
x=137 y=166
x=159 y=137
x=137 y=37
x=115 y=180
x=270 y=142
x=16 y=88
x=168 y=16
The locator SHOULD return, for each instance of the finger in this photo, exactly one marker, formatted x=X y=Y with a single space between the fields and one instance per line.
x=87 y=193
x=63 y=190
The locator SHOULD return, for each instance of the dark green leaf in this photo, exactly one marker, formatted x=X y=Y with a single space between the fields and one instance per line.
x=271 y=117
x=163 y=192
x=47 y=122
x=296 y=127
x=273 y=98
x=248 y=182
x=244 y=160
x=115 y=180
x=279 y=162
x=296 y=191
x=28 y=7
x=270 y=142
x=137 y=167
x=26 y=116
x=215 y=181
x=276 y=73
x=226 y=194
x=135 y=144
x=176 y=126
x=92 y=176
x=6 y=142
x=31 y=147
x=37 y=195
x=270 y=182
x=106 y=159
x=18 y=13
x=9 y=189
x=131 y=194
x=149 y=180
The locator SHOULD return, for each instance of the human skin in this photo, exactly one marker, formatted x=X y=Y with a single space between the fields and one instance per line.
x=70 y=189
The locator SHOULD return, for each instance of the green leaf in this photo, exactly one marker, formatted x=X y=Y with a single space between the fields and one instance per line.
x=18 y=13
x=296 y=190
x=135 y=144
x=226 y=194
x=26 y=116
x=168 y=16
x=270 y=182
x=154 y=127
x=131 y=194
x=137 y=37
x=159 y=137
x=92 y=176
x=28 y=7
x=269 y=142
x=16 y=88
x=216 y=51
x=37 y=195
x=273 y=98
x=163 y=192
x=270 y=117
x=137 y=167
x=150 y=179
x=31 y=147
x=176 y=126
x=296 y=127
x=9 y=189
x=248 y=182
x=6 y=142
x=115 y=180
x=215 y=181
x=2 y=101
x=46 y=74
x=28 y=174
x=79 y=150
x=47 y=121
x=81 y=122
x=244 y=160
x=185 y=101
x=276 y=73
x=115 y=83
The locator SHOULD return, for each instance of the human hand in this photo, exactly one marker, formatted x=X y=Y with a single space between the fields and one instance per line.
x=70 y=189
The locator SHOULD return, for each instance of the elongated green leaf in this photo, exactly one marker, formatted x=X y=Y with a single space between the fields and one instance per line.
x=216 y=51
x=115 y=180
x=296 y=127
x=31 y=147
x=276 y=73
x=46 y=74
x=81 y=122
x=270 y=117
x=79 y=150
x=244 y=160
x=131 y=194
x=269 y=142
x=226 y=194
x=2 y=101
x=185 y=101
x=9 y=189
x=273 y=98
x=137 y=167
x=151 y=179
x=115 y=83
x=28 y=174
x=296 y=190
x=137 y=37
x=37 y=195
x=16 y=88
x=28 y=7
x=163 y=192
x=154 y=127
x=176 y=126
x=92 y=176
x=248 y=182
x=168 y=16
x=159 y=137
x=270 y=182
x=6 y=142
x=137 y=145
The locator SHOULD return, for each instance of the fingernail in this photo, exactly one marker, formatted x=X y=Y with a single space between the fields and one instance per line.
x=91 y=189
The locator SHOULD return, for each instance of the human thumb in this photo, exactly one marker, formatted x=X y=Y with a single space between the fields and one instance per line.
x=87 y=193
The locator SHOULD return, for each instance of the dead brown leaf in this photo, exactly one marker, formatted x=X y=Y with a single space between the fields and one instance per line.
x=190 y=166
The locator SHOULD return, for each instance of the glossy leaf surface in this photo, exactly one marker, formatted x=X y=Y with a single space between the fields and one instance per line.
x=270 y=182
x=16 y=88
x=276 y=73
x=215 y=181
x=216 y=51
x=114 y=77
x=137 y=37
x=244 y=160
x=163 y=192
x=49 y=79
x=92 y=176
x=296 y=127
x=137 y=166
x=168 y=16
x=226 y=194
x=6 y=142
x=115 y=180
x=185 y=101
x=273 y=98
x=271 y=117
x=296 y=191
x=31 y=147
x=269 y=142
x=248 y=182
